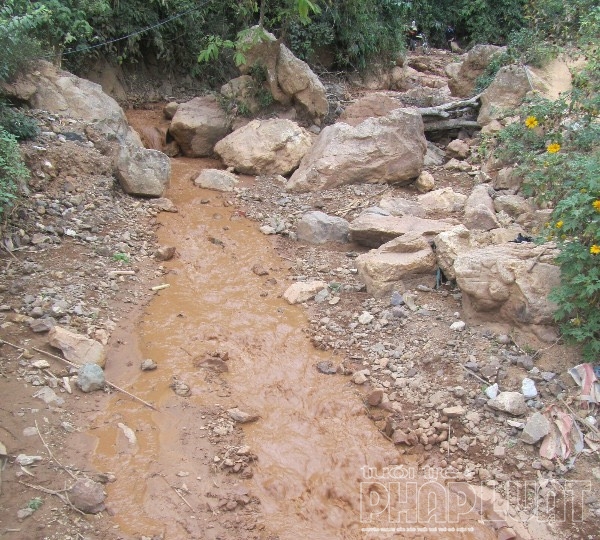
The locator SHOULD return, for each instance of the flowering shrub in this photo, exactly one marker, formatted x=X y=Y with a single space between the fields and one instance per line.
x=557 y=148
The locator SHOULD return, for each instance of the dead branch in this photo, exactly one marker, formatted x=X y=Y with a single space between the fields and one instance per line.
x=52 y=455
x=58 y=493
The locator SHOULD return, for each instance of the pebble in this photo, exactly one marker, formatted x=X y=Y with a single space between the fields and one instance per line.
x=458 y=326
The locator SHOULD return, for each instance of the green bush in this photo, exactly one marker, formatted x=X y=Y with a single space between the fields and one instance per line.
x=17 y=123
x=557 y=146
x=17 y=46
x=12 y=169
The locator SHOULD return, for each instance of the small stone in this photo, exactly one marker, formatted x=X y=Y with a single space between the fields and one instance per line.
x=492 y=391
x=537 y=427
x=148 y=365
x=45 y=324
x=375 y=397
x=48 y=396
x=30 y=431
x=458 y=326
x=509 y=402
x=453 y=412
x=88 y=496
x=40 y=364
x=360 y=377
x=327 y=368
x=129 y=433
x=24 y=513
x=164 y=253
x=90 y=377
x=499 y=451
x=242 y=417
x=365 y=318
x=528 y=388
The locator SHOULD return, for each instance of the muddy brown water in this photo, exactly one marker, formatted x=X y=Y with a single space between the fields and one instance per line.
x=317 y=450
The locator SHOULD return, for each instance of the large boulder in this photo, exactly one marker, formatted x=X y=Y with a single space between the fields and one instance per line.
x=389 y=149
x=265 y=147
x=289 y=79
x=395 y=263
x=504 y=95
x=198 y=125
x=509 y=283
x=477 y=60
x=370 y=106
x=261 y=50
x=459 y=240
x=143 y=172
x=298 y=81
x=319 y=228
x=374 y=229
x=48 y=88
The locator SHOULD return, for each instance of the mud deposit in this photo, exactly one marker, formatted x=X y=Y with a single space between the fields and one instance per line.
x=222 y=328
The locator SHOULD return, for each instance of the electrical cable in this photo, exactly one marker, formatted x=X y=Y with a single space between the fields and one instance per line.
x=137 y=32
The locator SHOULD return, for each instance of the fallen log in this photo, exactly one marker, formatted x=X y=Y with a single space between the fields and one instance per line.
x=452 y=123
x=452 y=108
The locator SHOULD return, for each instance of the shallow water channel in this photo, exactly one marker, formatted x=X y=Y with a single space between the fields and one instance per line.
x=313 y=439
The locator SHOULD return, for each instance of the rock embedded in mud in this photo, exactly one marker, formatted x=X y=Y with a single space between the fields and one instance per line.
x=87 y=496
x=164 y=253
x=327 y=368
x=242 y=417
x=180 y=388
x=90 y=377
x=148 y=365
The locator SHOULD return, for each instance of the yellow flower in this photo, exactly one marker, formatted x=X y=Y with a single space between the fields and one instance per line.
x=595 y=249
x=553 y=148
x=596 y=204
x=559 y=224
x=531 y=122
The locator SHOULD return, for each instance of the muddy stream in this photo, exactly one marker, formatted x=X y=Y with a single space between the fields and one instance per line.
x=313 y=439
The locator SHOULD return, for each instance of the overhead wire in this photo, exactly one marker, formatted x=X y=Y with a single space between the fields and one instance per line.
x=136 y=33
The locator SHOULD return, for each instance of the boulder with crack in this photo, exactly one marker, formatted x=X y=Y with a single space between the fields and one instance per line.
x=510 y=283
